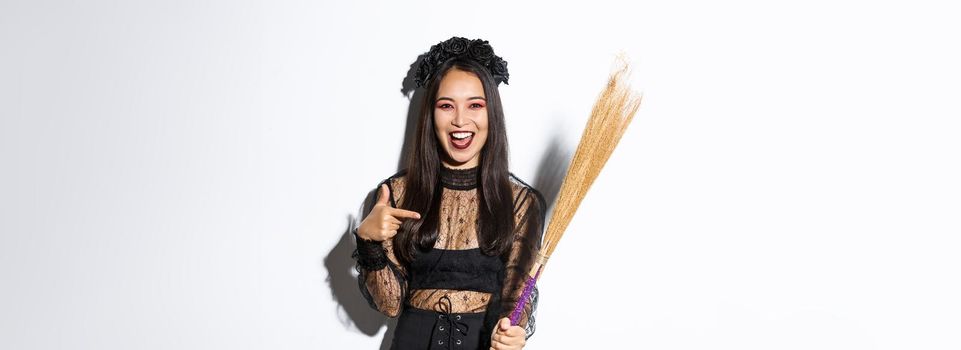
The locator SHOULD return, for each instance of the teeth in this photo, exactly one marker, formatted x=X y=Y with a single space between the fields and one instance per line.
x=461 y=135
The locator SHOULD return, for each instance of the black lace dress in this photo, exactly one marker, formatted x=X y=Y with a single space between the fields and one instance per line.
x=451 y=296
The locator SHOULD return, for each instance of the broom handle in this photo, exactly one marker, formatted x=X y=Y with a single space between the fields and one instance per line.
x=525 y=295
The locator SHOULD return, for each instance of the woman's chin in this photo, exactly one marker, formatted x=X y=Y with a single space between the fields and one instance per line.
x=459 y=160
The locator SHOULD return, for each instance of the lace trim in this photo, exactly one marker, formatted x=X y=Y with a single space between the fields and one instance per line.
x=459 y=179
x=370 y=255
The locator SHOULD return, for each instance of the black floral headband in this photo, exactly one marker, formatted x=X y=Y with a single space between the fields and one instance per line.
x=457 y=47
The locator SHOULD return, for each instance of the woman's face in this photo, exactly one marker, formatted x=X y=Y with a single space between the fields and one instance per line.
x=460 y=118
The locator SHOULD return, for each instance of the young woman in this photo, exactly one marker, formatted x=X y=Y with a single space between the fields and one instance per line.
x=450 y=239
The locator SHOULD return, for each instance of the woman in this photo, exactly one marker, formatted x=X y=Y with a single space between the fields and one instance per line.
x=450 y=240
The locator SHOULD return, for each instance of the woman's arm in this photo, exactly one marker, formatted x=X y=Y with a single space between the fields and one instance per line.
x=529 y=215
x=381 y=278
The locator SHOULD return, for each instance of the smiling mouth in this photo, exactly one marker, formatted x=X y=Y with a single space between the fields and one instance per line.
x=461 y=139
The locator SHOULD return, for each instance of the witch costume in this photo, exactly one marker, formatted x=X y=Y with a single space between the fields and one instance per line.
x=451 y=296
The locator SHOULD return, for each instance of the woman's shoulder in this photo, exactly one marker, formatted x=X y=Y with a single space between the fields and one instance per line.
x=398 y=179
x=395 y=186
x=524 y=193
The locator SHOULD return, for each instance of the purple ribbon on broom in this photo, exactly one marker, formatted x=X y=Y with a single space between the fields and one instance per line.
x=525 y=296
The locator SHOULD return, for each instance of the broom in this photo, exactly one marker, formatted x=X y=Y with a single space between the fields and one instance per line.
x=612 y=113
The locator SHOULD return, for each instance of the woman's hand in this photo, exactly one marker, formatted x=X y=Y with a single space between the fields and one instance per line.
x=383 y=221
x=507 y=337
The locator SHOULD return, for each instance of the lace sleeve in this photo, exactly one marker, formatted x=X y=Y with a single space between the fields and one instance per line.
x=382 y=280
x=529 y=215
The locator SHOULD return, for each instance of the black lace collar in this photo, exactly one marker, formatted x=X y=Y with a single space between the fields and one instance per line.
x=459 y=179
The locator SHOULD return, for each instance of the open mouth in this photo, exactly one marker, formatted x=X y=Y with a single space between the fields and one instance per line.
x=461 y=139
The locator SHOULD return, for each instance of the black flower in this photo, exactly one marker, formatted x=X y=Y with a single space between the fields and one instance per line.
x=460 y=48
x=455 y=46
x=480 y=51
x=423 y=72
x=499 y=70
x=436 y=56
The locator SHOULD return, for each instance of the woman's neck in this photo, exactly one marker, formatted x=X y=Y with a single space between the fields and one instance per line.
x=459 y=179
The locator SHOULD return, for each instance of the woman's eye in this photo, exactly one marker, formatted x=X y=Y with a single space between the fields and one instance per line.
x=476 y=105
x=445 y=106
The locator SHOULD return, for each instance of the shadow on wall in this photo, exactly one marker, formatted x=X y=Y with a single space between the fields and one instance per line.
x=551 y=169
x=353 y=309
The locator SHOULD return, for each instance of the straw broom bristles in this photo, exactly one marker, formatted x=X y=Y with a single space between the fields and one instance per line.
x=612 y=113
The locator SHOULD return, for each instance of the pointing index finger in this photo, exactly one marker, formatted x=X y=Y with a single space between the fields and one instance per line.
x=401 y=213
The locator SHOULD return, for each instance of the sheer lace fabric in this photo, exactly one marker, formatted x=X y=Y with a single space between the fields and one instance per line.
x=387 y=288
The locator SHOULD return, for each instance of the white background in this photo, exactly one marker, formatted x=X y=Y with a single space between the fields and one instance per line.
x=181 y=174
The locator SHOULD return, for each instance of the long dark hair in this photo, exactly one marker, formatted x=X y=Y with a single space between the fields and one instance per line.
x=422 y=192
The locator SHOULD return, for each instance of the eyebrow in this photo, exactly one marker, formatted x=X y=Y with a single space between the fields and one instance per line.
x=472 y=98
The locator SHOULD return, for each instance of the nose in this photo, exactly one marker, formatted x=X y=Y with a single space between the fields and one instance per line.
x=460 y=118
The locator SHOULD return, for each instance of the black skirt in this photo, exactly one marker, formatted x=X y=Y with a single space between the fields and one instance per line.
x=422 y=329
